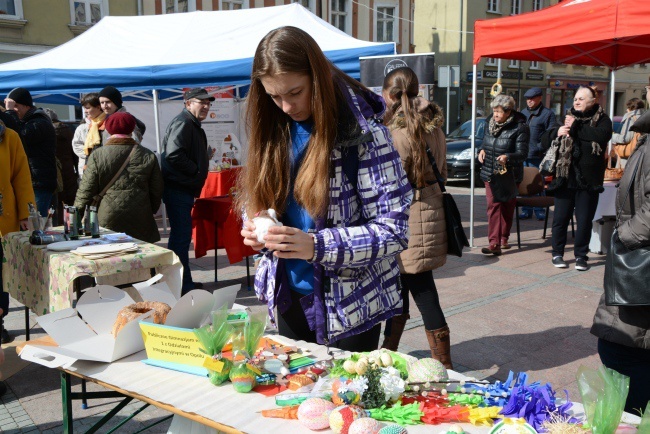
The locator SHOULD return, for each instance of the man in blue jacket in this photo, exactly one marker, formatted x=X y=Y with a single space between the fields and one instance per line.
x=539 y=119
x=184 y=169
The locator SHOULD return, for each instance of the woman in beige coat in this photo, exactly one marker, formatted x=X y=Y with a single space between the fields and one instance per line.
x=415 y=126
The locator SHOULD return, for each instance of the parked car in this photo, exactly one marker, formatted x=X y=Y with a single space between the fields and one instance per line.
x=459 y=150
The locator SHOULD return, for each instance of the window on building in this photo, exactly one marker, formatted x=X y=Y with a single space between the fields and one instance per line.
x=176 y=6
x=88 y=12
x=491 y=61
x=515 y=9
x=386 y=23
x=534 y=65
x=232 y=5
x=513 y=64
x=339 y=14
x=11 y=9
x=493 y=6
x=538 y=4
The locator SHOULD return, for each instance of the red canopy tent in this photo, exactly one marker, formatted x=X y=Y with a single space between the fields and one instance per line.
x=611 y=33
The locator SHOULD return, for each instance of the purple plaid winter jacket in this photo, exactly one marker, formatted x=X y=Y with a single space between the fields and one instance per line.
x=356 y=276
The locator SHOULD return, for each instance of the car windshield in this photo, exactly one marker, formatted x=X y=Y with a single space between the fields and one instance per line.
x=464 y=131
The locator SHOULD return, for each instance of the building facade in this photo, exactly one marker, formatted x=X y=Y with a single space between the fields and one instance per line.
x=446 y=28
x=370 y=20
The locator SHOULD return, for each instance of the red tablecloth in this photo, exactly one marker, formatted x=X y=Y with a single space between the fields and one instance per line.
x=209 y=213
x=220 y=183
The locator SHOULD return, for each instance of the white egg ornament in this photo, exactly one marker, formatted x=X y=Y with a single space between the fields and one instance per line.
x=263 y=222
x=386 y=359
x=350 y=366
x=314 y=413
x=365 y=425
x=361 y=367
x=427 y=370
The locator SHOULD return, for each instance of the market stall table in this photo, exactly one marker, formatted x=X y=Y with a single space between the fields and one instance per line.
x=43 y=280
x=214 y=226
x=603 y=222
x=217 y=407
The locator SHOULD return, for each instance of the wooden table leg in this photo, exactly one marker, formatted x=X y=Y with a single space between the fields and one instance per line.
x=66 y=400
x=26 y=323
x=215 y=252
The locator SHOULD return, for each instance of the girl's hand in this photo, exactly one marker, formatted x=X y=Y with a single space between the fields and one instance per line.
x=481 y=156
x=250 y=238
x=290 y=243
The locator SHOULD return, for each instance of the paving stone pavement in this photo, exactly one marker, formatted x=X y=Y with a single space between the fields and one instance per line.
x=514 y=312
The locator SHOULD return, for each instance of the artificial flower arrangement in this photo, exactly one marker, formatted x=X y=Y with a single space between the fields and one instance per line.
x=384 y=392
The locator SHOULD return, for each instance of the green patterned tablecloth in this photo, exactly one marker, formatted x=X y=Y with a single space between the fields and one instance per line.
x=43 y=280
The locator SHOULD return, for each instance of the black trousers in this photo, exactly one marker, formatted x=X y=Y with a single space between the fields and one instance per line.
x=423 y=289
x=584 y=203
x=633 y=362
x=293 y=324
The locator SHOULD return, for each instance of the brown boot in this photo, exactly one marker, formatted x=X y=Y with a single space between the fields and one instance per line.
x=439 y=344
x=391 y=342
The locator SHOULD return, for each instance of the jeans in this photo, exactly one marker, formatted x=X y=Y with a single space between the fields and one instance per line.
x=584 y=203
x=500 y=216
x=43 y=200
x=539 y=212
x=633 y=362
x=178 y=204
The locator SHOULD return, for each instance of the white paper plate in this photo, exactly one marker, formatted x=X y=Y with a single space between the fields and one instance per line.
x=65 y=246
x=105 y=248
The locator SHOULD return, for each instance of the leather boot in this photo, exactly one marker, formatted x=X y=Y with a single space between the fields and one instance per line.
x=439 y=344
x=391 y=342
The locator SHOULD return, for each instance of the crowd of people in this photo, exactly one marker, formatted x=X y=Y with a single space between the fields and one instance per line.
x=356 y=180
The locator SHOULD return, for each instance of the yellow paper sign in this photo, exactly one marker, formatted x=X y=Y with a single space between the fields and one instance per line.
x=212 y=364
x=171 y=344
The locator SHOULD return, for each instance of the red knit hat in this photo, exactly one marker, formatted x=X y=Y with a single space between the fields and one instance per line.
x=120 y=123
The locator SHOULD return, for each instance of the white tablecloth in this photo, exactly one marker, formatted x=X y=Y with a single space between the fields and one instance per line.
x=607 y=201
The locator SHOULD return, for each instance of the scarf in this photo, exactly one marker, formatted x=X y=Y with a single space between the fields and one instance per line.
x=564 y=145
x=495 y=127
x=94 y=138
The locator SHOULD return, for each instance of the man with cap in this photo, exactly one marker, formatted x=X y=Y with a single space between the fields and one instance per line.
x=185 y=168
x=110 y=100
x=539 y=119
x=39 y=141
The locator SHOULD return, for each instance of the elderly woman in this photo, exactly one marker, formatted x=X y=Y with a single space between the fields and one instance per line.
x=623 y=331
x=505 y=144
x=579 y=173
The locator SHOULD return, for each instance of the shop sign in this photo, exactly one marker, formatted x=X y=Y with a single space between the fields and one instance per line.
x=534 y=76
x=504 y=74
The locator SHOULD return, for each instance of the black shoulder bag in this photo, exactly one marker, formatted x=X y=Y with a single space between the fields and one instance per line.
x=627 y=271
x=456 y=238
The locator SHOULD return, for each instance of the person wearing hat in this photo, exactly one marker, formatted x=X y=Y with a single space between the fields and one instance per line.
x=110 y=100
x=539 y=119
x=131 y=201
x=39 y=140
x=185 y=168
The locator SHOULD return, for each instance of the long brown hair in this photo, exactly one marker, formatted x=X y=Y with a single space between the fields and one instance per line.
x=265 y=182
x=403 y=86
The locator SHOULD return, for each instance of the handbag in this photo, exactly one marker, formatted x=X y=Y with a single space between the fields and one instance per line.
x=456 y=237
x=627 y=271
x=503 y=185
x=613 y=173
x=97 y=199
x=547 y=166
x=624 y=150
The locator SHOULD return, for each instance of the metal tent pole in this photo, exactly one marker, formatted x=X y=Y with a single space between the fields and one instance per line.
x=472 y=162
x=156 y=117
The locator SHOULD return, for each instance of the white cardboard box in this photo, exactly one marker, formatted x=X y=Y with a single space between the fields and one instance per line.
x=84 y=333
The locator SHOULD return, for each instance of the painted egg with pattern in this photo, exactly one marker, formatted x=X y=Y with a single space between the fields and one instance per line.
x=314 y=413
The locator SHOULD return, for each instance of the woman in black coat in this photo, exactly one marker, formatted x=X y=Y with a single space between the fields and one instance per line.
x=579 y=173
x=505 y=143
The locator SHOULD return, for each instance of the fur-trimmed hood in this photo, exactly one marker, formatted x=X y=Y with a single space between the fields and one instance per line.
x=120 y=141
x=429 y=110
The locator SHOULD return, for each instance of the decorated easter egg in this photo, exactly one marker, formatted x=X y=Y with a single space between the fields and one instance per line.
x=314 y=413
x=218 y=378
x=512 y=426
x=454 y=429
x=342 y=417
x=427 y=370
x=393 y=429
x=242 y=378
x=365 y=425
x=343 y=397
